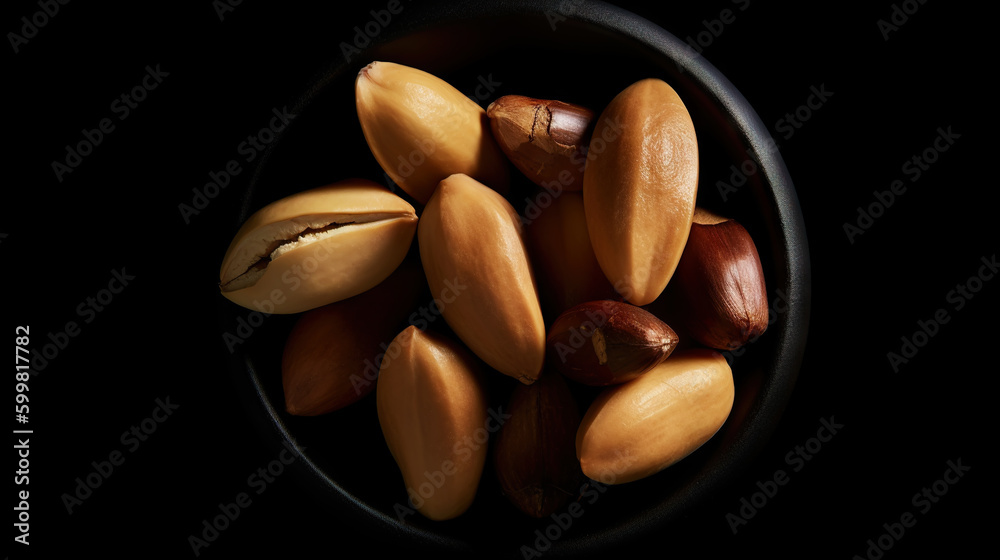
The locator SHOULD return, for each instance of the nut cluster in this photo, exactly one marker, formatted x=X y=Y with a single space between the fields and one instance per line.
x=621 y=289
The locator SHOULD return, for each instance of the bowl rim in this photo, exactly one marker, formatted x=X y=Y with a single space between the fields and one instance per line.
x=790 y=339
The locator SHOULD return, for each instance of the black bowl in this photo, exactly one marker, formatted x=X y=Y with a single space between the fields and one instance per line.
x=586 y=55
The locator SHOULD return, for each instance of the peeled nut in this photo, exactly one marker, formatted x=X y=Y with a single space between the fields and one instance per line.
x=563 y=258
x=720 y=289
x=640 y=187
x=637 y=429
x=534 y=454
x=421 y=130
x=431 y=403
x=613 y=229
x=317 y=247
x=545 y=139
x=331 y=357
x=608 y=342
x=471 y=245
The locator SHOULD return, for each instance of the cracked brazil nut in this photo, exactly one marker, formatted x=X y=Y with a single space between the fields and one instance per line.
x=544 y=139
x=317 y=247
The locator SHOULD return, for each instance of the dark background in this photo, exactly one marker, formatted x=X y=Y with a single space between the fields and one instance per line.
x=161 y=337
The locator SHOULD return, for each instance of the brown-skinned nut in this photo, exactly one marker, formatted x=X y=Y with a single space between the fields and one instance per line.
x=640 y=187
x=563 y=259
x=331 y=355
x=607 y=342
x=534 y=453
x=720 y=291
x=544 y=139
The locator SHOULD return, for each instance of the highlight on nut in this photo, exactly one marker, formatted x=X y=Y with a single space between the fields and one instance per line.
x=597 y=322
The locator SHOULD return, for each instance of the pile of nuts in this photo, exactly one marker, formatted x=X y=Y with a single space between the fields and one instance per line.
x=577 y=294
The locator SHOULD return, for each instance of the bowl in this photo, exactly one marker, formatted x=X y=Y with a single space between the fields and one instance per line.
x=585 y=55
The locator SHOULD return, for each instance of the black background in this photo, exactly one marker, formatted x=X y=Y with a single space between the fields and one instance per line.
x=160 y=336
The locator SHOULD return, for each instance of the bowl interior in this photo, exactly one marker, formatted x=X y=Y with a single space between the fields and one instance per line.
x=587 y=58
